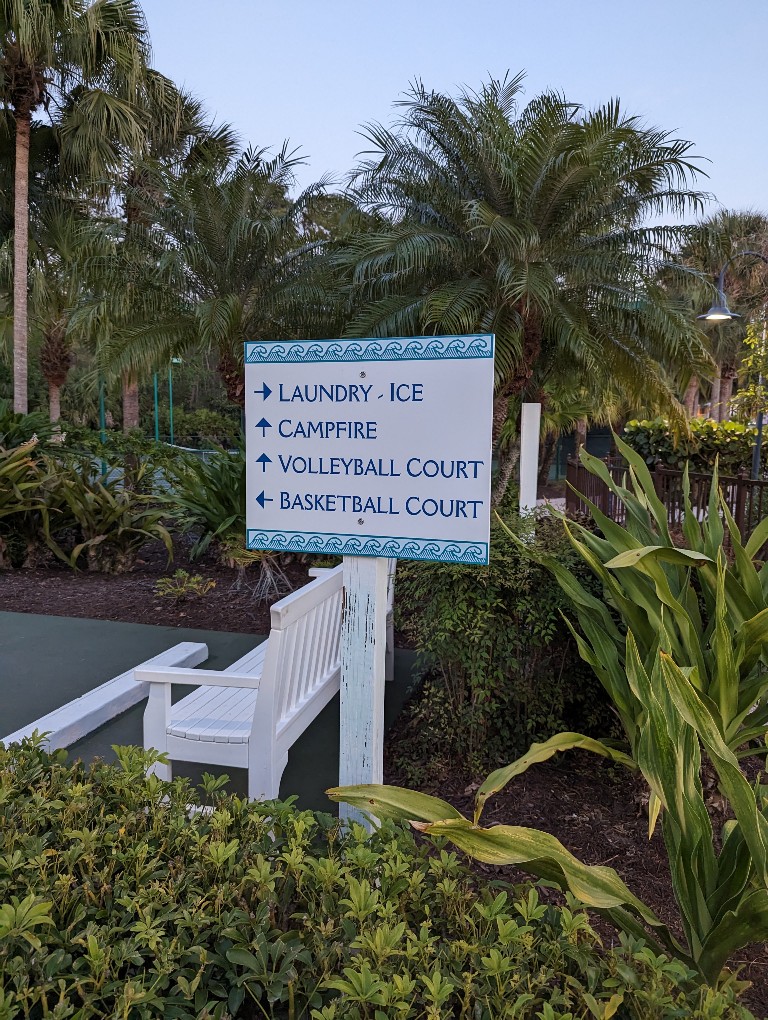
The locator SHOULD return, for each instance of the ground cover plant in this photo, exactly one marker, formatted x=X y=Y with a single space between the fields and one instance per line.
x=117 y=900
x=678 y=640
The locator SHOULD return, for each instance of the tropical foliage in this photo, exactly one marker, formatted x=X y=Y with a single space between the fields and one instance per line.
x=529 y=223
x=78 y=61
x=117 y=899
x=678 y=641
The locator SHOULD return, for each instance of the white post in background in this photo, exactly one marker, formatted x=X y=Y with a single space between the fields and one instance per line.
x=363 y=653
x=530 y=429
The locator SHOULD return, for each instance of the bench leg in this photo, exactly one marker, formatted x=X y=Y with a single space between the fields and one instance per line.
x=264 y=775
x=156 y=716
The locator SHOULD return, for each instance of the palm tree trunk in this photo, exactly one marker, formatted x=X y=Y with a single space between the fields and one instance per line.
x=691 y=396
x=54 y=401
x=232 y=376
x=20 y=257
x=507 y=464
x=582 y=425
x=714 y=406
x=546 y=456
x=130 y=403
x=726 y=392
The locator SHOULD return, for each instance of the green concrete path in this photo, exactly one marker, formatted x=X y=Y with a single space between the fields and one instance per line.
x=46 y=661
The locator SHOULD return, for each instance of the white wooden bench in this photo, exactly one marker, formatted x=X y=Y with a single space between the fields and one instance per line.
x=250 y=714
x=74 y=720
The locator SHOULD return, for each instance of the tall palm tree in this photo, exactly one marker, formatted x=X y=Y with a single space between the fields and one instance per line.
x=179 y=137
x=51 y=50
x=529 y=223
x=225 y=267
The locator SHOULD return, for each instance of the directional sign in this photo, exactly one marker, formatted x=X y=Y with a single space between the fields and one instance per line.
x=370 y=447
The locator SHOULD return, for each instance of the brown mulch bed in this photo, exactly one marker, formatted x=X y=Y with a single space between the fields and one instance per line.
x=56 y=590
x=594 y=809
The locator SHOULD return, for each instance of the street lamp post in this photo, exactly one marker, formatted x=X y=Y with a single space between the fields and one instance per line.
x=720 y=312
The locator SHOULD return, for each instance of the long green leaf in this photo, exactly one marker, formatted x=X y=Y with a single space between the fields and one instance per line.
x=541 y=752
x=658 y=553
x=394 y=802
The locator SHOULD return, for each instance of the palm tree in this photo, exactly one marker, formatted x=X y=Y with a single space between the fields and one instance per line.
x=718 y=239
x=530 y=224
x=226 y=264
x=178 y=138
x=50 y=51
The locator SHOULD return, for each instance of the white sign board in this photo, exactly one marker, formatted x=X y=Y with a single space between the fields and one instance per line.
x=370 y=447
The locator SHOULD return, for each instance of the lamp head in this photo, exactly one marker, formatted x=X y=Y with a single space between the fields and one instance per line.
x=719 y=312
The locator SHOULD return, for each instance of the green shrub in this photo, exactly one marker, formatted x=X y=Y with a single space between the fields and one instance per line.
x=117 y=900
x=500 y=666
x=208 y=498
x=728 y=442
x=201 y=428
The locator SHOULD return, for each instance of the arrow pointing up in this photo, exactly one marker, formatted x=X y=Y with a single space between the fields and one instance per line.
x=261 y=499
x=265 y=391
x=263 y=460
x=263 y=425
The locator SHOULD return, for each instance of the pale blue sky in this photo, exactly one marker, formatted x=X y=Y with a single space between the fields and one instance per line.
x=313 y=72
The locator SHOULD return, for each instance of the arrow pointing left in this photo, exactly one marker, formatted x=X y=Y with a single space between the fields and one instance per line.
x=261 y=499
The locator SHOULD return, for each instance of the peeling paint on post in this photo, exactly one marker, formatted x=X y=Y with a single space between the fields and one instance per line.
x=363 y=652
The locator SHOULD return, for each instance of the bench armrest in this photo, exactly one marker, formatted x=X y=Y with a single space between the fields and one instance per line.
x=197 y=677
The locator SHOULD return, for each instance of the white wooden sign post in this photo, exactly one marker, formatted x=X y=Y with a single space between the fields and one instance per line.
x=369 y=449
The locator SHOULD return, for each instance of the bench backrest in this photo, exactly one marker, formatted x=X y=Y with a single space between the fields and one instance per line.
x=303 y=654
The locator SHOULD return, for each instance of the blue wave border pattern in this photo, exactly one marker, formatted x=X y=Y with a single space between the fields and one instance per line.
x=430 y=549
x=420 y=348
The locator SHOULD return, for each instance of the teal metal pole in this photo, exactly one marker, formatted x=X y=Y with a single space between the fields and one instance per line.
x=157 y=416
x=102 y=423
x=102 y=413
x=170 y=400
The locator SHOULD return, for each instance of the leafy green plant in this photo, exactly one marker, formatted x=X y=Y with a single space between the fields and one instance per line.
x=19 y=496
x=182 y=585
x=500 y=667
x=727 y=443
x=712 y=610
x=208 y=498
x=112 y=521
x=678 y=641
x=116 y=899
x=18 y=429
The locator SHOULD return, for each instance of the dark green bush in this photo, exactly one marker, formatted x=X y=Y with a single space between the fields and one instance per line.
x=728 y=442
x=202 y=428
x=118 y=900
x=500 y=666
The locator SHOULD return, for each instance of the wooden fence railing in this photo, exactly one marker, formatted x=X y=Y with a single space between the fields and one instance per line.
x=746 y=498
